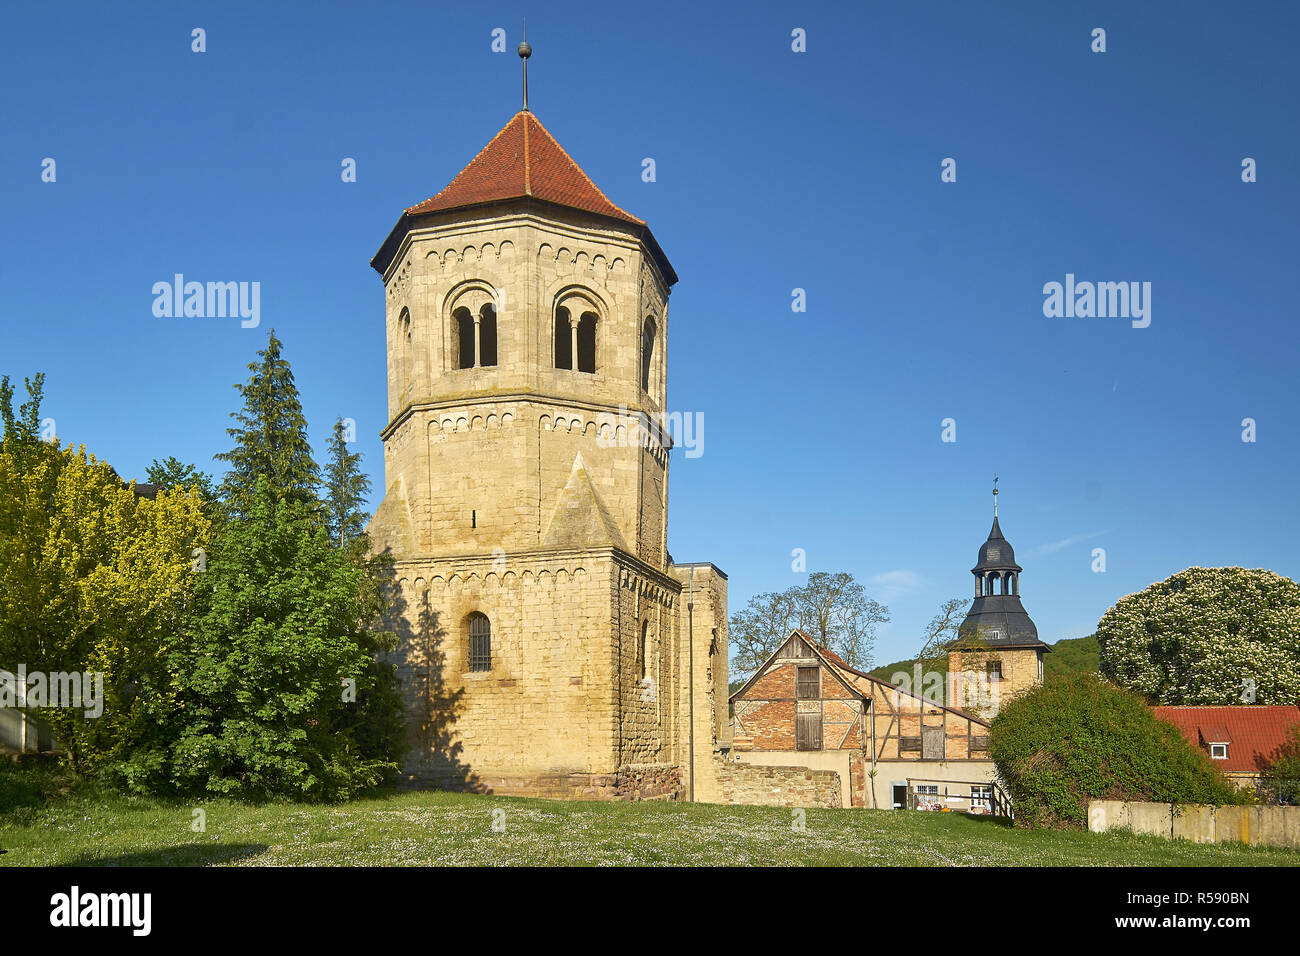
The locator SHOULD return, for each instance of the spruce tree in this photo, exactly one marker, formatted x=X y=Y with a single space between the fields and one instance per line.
x=173 y=473
x=26 y=425
x=271 y=439
x=281 y=688
x=346 y=488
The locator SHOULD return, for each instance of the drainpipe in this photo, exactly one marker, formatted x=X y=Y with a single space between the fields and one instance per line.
x=22 y=704
x=872 y=708
x=618 y=705
x=690 y=652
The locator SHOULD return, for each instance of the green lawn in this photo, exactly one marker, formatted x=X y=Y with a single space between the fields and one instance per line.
x=457 y=830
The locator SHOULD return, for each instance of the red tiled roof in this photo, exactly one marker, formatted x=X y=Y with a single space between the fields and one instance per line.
x=524 y=160
x=1253 y=732
x=1214 y=734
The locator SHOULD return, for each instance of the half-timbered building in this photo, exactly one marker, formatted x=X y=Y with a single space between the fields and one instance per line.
x=806 y=707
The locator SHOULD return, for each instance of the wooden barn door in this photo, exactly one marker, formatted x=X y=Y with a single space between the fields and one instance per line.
x=808 y=731
x=932 y=743
x=808 y=709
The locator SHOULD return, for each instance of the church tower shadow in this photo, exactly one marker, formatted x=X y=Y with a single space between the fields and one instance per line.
x=433 y=755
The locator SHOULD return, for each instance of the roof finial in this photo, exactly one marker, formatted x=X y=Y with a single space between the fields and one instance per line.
x=525 y=51
x=995 y=496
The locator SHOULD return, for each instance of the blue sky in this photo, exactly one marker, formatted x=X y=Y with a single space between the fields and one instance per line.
x=775 y=170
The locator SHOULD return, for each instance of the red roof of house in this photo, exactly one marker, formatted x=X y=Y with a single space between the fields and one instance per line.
x=1253 y=732
x=524 y=160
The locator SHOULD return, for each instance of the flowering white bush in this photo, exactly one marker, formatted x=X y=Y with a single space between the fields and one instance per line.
x=1207 y=636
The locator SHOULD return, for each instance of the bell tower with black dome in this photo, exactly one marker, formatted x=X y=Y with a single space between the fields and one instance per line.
x=998 y=652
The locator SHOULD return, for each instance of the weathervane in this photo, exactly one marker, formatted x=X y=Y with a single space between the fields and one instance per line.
x=995 y=496
x=525 y=51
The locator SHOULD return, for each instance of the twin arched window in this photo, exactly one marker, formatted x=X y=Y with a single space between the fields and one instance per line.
x=575 y=339
x=476 y=336
x=480 y=642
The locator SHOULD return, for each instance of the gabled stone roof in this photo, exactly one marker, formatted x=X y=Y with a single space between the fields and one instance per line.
x=580 y=518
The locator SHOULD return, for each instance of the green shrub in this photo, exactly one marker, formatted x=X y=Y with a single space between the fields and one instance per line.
x=1281 y=784
x=1079 y=738
x=28 y=783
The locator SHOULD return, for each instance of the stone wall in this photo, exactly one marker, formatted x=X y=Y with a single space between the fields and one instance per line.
x=773 y=786
x=1020 y=673
x=1263 y=826
x=702 y=630
x=546 y=706
x=646 y=661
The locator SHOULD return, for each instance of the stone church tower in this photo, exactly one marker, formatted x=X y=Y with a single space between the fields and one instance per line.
x=999 y=653
x=549 y=646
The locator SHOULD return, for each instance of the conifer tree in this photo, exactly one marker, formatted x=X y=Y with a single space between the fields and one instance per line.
x=271 y=439
x=282 y=692
x=25 y=426
x=346 y=487
x=173 y=473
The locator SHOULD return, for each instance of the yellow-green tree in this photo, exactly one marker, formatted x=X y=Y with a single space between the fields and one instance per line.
x=93 y=580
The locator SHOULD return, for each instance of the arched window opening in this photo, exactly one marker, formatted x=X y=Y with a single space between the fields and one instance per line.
x=464 y=338
x=487 y=335
x=587 y=342
x=480 y=642
x=563 y=339
x=405 y=343
x=647 y=352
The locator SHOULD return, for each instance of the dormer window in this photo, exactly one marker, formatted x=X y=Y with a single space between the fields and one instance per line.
x=1218 y=751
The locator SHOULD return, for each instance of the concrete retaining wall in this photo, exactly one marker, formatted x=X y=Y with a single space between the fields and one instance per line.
x=1262 y=826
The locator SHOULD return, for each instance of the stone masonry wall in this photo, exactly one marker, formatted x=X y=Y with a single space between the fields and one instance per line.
x=545 y=706
x=774 y=786
x=1019 y=674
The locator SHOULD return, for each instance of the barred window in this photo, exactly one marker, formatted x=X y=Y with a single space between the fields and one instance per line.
x=480 y=642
